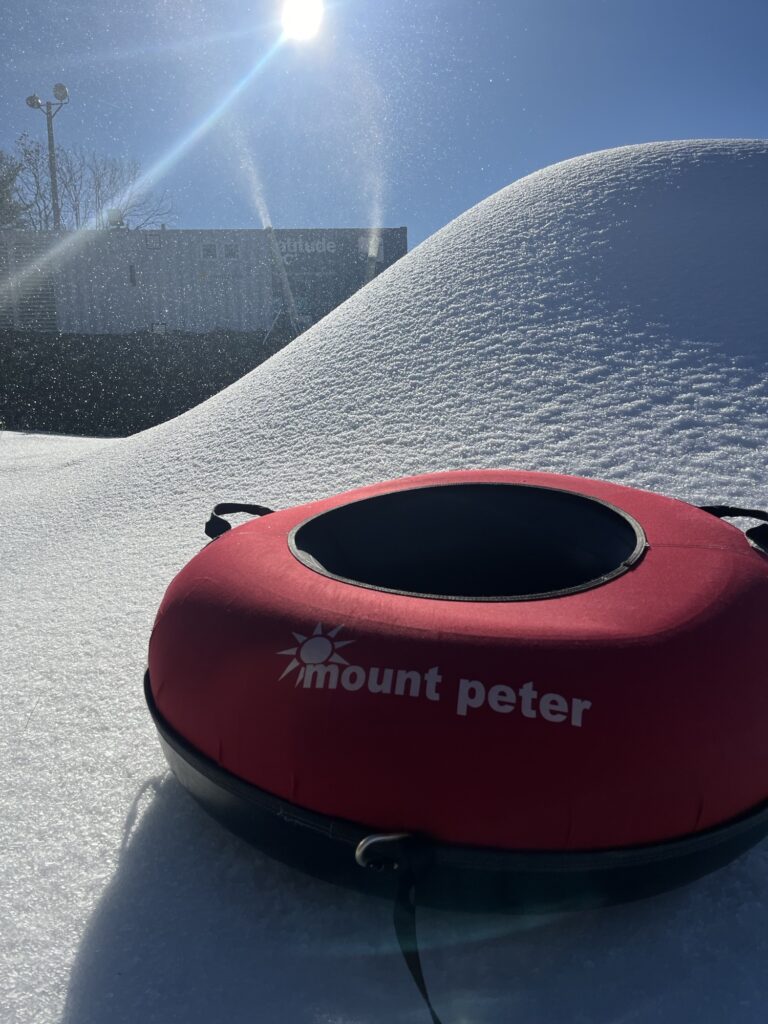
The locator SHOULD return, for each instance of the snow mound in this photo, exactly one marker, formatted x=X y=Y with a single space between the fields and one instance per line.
x=605 y=316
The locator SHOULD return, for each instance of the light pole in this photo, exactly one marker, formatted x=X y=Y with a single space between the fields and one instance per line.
x=61 y=95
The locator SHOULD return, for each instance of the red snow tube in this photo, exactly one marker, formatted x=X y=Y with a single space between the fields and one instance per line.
x=520 y=675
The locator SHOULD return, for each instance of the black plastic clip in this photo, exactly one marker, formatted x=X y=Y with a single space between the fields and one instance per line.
x=394 y=851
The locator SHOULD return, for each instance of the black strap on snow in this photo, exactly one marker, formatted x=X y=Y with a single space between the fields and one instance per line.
x=410 y=857
x=757 y=535
x=404 y=917
x=216 y=525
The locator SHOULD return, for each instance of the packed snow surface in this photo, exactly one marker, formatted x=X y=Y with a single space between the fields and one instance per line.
x=605 y=316
x=23 y=451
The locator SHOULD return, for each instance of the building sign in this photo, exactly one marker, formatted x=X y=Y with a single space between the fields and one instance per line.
x=292 y=247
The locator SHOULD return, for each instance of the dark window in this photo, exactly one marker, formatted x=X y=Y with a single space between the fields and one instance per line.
x=209 y=251
x=230 y=252
x=132 y=274
x=152 y=239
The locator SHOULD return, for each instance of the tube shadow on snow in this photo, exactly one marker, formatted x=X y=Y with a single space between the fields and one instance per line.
x=197 y=927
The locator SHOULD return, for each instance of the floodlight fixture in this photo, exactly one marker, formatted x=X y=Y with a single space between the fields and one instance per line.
x=61 y=92
x=34 y=101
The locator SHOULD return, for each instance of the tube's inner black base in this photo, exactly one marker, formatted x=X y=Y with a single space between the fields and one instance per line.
x=459 y=877
x=479 y=542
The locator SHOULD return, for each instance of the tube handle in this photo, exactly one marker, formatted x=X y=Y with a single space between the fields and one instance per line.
x=216 y=525
x=410 y=856
x=756 y=535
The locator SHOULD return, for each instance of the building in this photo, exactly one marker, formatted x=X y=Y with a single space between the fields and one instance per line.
x=120 y=281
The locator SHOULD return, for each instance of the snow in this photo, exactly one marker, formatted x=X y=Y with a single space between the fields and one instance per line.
x=22 y=451
x=605 y=316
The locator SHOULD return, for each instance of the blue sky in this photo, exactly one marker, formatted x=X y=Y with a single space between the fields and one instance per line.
x=398 y=113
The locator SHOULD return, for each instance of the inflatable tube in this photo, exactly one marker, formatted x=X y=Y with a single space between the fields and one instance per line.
x=557 y=683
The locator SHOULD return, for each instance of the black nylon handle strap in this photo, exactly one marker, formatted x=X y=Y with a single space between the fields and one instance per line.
x=756 y=535
x=404 y=917
x=728 y=511
x=216 y=525
x=410 y=856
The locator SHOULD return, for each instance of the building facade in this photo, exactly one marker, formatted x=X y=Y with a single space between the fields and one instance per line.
x=120 y=281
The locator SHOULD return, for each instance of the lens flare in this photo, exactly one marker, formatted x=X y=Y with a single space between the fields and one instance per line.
x=69 y=243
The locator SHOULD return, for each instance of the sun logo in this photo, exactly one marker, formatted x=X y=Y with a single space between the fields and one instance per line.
x=315 y=650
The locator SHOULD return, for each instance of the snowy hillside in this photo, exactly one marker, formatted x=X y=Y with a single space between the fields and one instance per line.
x=605 y=316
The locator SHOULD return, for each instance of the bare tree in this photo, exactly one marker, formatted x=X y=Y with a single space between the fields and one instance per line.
x=95 y=191
x=32 y=187
x=11 y=209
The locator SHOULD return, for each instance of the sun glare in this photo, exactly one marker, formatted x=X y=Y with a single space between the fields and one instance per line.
x=301 y=18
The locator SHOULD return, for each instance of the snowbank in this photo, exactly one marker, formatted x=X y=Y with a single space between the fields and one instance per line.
x=605 y=316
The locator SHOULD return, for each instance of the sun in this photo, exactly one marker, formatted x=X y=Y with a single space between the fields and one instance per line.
x=302 y=18
x=318 y=649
